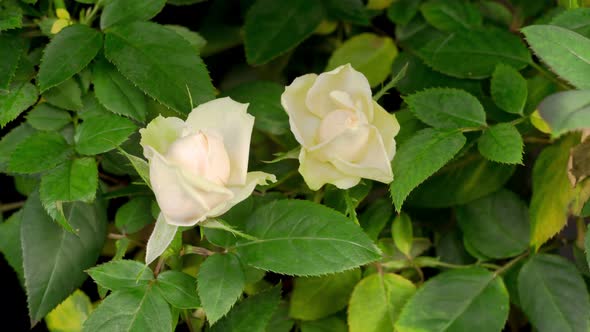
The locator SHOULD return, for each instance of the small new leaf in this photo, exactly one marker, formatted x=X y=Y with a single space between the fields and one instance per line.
x=501 y=143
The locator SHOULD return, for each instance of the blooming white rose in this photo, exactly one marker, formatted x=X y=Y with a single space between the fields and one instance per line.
x=198 y=168
x=344 y=134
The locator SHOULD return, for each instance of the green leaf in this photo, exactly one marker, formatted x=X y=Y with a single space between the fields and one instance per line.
x=12 y=50
x=553 y=193
x=265 y=105
x=116 y=93
x=509 y=89
x=69 y=315
x=401 y=12
x=179 y=289
x=140 y=165
x=68 y=53
x=220 y=283
x=305 y=239
x=252 y=314
x=368 y=53
x=39 y=152
x=66 y=95
x=54 y=260
x=329 y=324
x=74 y=180
x=566 y=52
x=375 y=216
x=470 y=299
x=462 y=181
x=10 y=244
x=496 y=225
x=447 y=108
x=47 y=117
x=402 y=233
x=20 y=96
x=451 y=15
x=11 y=16
x=586 y=241
x=11 y=141
x=273 y=28
x=121 y=274
x=420 y=157
x=420 y=77
x=102 y=133
x=317 y=297
x=376 y=302
x=495 y=12
x=566 y=111
x=131 y=310
x=352 y=11
x=576 y=20
x=280 y=320
x=553 y=294
x=475 y=53
x=501 y=143
x=161 y=63
x=134 y=215
x=194 y=38
x=118 y=12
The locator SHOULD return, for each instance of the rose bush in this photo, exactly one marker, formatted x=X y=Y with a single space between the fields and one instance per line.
x=344 y=134
x=199 y=167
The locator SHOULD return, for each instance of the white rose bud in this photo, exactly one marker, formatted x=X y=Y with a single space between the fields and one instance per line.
x=344 y=134
x=198 y=168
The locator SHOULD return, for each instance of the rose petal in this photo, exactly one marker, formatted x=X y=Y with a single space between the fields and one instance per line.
x=317 y=173
x=230 y=119
x=345 y=79
x=161 y=237
x=183 y=199
x=242 y=192
x=388 y=127
x=304 y=124
x=349 y=145
x=375 y=163
x=160 y=133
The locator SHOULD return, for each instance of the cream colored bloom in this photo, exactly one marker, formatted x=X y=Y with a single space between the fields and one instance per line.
x=198 y=168
x=344 y=134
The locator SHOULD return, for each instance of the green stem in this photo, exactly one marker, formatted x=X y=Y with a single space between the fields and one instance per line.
x=394 y=80
x=90 y=17
x=511 y=263
x=188 y=249
x=11 y=206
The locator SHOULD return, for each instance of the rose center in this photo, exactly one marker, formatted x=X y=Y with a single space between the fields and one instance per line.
x=201 y=155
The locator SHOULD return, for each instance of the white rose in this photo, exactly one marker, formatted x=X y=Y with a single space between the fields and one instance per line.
x=344 y=134
x=198 y=168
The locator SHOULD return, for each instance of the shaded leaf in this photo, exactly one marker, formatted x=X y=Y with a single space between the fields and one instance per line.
x=54 y=260
x=420 y=157
x=553 y=294
x=470 y=299
x=496 y=225
x=317 y=297
x=273 y=28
